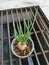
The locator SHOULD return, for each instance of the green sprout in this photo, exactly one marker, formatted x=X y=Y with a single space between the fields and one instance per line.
x=24 y=37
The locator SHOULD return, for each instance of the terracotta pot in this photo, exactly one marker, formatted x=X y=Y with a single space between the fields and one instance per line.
x=12 y=44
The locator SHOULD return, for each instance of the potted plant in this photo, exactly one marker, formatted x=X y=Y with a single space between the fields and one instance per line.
x=21 y=45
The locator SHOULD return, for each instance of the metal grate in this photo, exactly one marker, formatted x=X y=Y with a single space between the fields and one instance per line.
x=39 y=35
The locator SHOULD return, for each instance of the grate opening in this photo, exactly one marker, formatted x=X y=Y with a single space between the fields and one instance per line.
x=42 y=60
x=5 y=31
x=6 y=49
x=39 y=35
x=7 y=63
x=35 y=43
x=47 y=36
x=43 y=43
x=11 y=29
x=15 y=63
x=24 y=61
x=47 y=54
x=34 y=60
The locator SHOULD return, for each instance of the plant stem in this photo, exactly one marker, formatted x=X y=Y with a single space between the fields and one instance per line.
x=15 y=32
x=34 y=19
x=19 y=31
x=24 y=28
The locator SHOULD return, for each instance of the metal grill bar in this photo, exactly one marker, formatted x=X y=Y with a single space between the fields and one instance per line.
x=38 y=53
x=13 y=24
x=20 y=61
x=32 y=42
x=41 y=31
x=30 y=61
x=35 y=51
x=43 y=22
x=12 y=17
x=44 y=17
x=43 y=34
x=19 y=21
x=36 y=56
x=30 y=33
x=22 y=33
x=9 y=38
x=2 y=36
x=41 y=46
x=6 y=61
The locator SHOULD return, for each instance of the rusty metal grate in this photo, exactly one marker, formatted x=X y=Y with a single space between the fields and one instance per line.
x=39 y=35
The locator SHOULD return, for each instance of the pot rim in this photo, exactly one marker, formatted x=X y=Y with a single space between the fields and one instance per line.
x=18 y=55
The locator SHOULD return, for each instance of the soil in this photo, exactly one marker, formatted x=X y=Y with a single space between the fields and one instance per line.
x=23 y=52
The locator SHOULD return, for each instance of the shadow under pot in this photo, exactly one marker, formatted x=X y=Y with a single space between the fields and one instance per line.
x=22 y=50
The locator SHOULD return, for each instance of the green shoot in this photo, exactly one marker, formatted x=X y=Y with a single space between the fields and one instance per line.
x=18 y=27
x=15 y=32
x=34 y=20
x=24 y=37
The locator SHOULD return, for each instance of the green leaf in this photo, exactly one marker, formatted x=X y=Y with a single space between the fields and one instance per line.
x=23 y=38
x=34 y=19
x=26 y=36
x=24 y=27
x=15 y=32
x=19 y=31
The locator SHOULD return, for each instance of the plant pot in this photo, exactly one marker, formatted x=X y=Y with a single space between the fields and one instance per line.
x=21 y=56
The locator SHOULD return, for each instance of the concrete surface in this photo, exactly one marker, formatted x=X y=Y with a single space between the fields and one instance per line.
x=8 y=4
